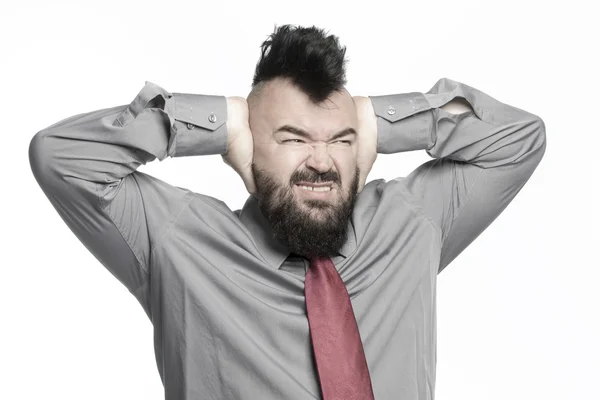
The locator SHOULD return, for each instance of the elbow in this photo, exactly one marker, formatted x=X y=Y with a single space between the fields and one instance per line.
x=40 y=159
x=541 y=135
x=538 y=139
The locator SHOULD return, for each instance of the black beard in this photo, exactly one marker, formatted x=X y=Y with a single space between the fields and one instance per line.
x=317 y=230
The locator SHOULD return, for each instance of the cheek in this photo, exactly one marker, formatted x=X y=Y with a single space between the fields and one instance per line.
x=286 y=161
x=346 y=164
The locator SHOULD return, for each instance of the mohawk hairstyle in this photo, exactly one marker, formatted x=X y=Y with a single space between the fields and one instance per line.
x=313 y=61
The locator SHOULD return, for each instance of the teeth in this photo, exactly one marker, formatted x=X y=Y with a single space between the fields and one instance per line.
x=317 y=189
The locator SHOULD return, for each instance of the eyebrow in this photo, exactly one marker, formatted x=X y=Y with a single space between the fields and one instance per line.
x=303 y=133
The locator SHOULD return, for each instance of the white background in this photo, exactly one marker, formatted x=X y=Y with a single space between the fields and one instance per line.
x=517 y=310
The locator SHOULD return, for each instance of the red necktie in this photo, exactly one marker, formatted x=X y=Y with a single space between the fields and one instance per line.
x=337 y=346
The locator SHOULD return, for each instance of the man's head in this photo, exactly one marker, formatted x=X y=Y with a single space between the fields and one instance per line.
x=303 y=123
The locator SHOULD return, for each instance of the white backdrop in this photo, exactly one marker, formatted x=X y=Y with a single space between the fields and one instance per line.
x=517 y=310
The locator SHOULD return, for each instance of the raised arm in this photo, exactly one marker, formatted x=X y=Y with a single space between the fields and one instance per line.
x=86 y=166
x=483 y=157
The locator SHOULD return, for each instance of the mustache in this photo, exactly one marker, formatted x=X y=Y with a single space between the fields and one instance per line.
x=321 y=179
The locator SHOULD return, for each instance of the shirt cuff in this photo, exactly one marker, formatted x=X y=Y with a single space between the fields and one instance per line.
x=404 y=122
x=198 y=124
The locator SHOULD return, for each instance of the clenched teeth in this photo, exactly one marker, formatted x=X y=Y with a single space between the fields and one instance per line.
x=316 y=189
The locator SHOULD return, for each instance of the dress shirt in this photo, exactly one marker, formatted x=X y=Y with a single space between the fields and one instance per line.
x=226 y=300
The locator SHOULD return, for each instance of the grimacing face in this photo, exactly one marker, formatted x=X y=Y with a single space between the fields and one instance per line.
x=308 y=223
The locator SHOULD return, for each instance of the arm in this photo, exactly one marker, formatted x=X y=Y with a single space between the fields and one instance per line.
x=457 y=106
x=86 y=166
x=483 y=157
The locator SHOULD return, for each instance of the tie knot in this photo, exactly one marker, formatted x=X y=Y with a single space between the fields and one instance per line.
x=318 y=259
x=323 y=264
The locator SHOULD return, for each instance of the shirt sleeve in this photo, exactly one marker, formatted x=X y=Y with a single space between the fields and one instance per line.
x=482 y=158
x=86 y=166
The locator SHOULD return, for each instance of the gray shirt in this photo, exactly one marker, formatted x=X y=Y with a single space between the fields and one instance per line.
x=225 y=299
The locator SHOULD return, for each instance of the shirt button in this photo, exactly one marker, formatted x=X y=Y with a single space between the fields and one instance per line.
x=190 y=126
x=212 y=118
x=391 y=110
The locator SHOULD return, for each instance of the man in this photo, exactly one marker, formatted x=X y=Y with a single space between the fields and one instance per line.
x=320 y=286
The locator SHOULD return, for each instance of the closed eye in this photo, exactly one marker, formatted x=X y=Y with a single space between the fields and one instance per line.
x=301 y=141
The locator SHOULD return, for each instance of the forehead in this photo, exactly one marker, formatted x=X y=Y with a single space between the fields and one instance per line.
x=283 y=103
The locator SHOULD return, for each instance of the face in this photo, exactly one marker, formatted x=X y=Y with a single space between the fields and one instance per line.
x=298 y=142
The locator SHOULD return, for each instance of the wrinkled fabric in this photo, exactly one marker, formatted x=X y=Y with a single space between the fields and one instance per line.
x=225 y=299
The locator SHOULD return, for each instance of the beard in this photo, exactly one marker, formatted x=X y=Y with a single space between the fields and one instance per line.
x=308 y=227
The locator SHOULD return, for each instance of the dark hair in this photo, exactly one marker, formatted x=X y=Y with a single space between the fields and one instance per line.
x=312 y=60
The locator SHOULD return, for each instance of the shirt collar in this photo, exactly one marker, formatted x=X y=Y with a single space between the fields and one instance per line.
x=274 y=252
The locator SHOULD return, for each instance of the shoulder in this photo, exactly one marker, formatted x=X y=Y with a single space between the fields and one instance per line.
x=391 y=198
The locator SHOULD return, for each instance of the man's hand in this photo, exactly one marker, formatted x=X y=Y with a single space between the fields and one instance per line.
x=240 y=145
x=366 y=138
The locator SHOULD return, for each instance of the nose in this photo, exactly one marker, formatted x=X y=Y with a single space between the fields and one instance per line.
x=319 y=160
